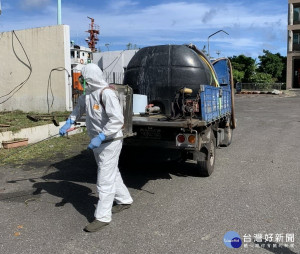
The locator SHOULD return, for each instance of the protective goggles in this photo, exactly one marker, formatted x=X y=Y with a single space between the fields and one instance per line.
x=81 y=80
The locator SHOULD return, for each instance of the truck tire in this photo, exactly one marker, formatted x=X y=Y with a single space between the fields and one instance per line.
x=206 y=158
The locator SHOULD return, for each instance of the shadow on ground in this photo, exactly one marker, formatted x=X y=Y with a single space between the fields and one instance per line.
x=81 y=197
x=137 y=167
x=69 y=176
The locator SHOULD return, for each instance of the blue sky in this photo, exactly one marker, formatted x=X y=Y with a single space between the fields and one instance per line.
x=252 y=25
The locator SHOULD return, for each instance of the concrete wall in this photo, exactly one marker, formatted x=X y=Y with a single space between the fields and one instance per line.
x=292 y=54
x=46 y=48
x=289 y=72
x=113 y=63
x=291 y=57
x=293 y=1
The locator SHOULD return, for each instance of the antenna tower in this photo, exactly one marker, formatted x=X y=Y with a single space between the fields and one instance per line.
x=93 y=38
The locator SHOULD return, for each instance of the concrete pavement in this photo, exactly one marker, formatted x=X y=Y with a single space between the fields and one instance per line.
x=254 y=190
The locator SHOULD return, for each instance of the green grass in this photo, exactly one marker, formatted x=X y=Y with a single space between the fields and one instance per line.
x=49 y=150
x=18 y=120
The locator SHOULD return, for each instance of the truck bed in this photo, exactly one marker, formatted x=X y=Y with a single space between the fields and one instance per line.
x=215 y=104
x=161 y=121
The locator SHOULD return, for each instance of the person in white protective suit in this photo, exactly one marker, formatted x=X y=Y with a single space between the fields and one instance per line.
x=102 y=124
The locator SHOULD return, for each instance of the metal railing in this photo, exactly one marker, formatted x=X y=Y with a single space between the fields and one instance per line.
x=260 y=86
x=113 y=77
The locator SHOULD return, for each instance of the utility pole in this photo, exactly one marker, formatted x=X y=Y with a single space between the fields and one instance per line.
x=58 y=12
x=211 y=36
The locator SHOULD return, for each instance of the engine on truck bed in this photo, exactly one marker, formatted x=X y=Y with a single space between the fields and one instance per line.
x=170 y=76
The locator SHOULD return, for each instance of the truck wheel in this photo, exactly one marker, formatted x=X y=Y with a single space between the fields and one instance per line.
x=228 y=132
x=206 y=158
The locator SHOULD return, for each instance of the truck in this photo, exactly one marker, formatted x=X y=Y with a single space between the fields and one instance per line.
x=189 y=106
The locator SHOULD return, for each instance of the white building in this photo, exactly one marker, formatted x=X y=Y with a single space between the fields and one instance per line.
x=79 y=55
x=113 y=63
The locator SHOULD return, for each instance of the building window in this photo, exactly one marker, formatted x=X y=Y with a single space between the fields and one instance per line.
x=296 y=19
x=296 y=41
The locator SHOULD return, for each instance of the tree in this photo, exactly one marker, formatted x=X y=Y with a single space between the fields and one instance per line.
x=271 y=64
x=244 y=67
x=204 y=51
x=260 y=77
x=283 y=74
x=107 y=46
x=272 y=68
x=238 y=76
x=129 y=46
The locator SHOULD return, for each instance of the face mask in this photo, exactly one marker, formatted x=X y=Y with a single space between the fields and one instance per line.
x=88 y=88
x=81 y=80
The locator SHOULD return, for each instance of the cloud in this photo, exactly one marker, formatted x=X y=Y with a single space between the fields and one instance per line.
x=29 y=4
x=208 y=16
x=121 y=5
x=6 y=6
x=133 y=21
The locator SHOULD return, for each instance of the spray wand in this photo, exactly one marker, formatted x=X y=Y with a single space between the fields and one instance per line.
x=69 y=130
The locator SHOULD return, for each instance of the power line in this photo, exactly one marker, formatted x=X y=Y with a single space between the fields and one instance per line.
x=49 y=87
x=29 y=66
x=117 y=58
x=18 y=87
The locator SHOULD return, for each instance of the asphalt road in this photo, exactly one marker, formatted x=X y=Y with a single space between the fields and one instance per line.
x=254 y=190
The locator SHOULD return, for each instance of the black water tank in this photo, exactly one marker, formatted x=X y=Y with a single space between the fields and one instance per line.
x=160 y=71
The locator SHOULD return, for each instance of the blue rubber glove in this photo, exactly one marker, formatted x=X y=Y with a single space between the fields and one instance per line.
x=96 y=142
x=66 y=126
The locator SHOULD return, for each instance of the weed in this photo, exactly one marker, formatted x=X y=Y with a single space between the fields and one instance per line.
x=17 y=120
x=49 y=150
